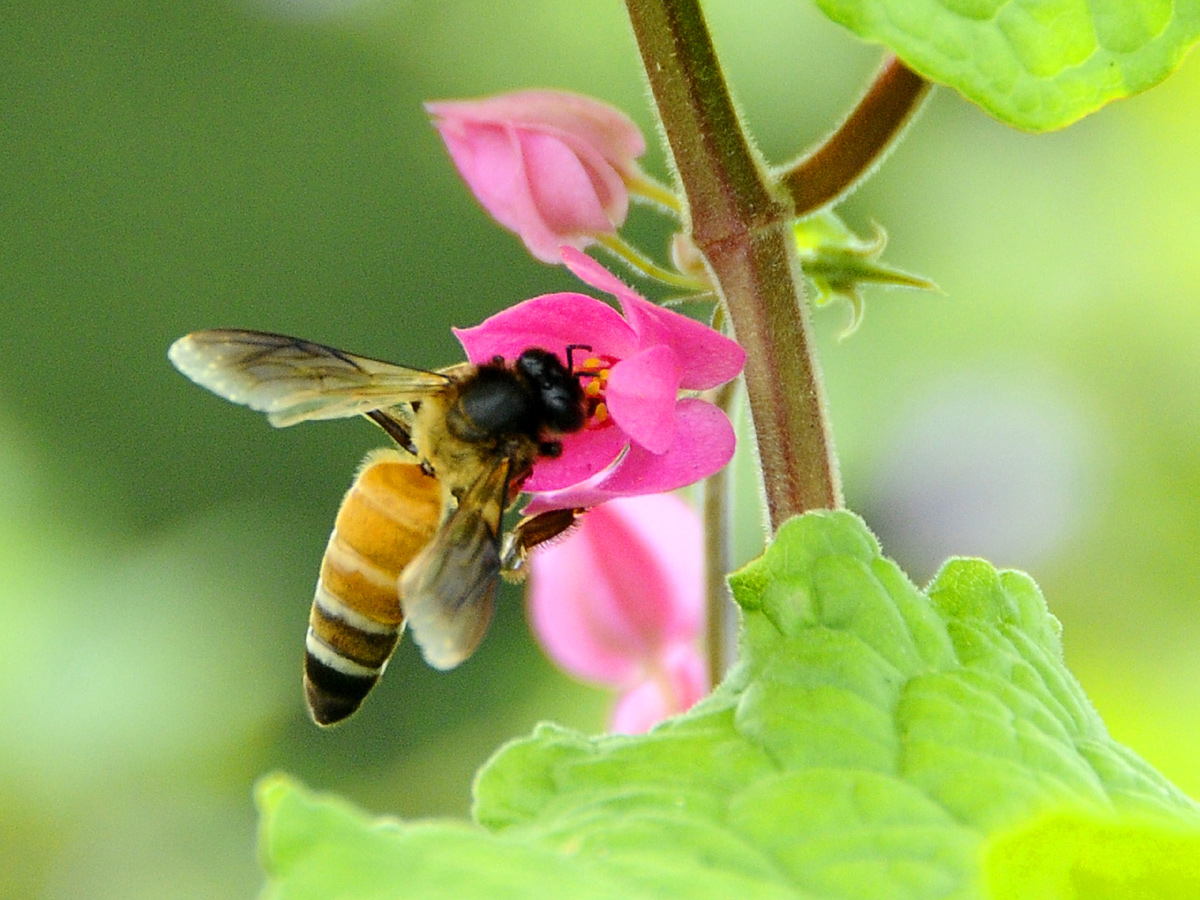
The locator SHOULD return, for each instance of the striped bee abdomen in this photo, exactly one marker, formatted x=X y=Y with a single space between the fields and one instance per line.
x=389 y=514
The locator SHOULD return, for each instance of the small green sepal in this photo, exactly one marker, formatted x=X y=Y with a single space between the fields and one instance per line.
x=838 y=263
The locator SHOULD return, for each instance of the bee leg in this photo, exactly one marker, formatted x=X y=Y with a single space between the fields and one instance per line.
x=530 y=532
x=550 y=449
x=398 y=431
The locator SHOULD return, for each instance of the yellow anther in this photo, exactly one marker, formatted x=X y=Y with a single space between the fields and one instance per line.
x=600 y=413
x=592 y=362
x=592 y=389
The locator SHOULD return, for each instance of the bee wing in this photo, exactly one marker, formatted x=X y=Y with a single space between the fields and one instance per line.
x=293 y=380
x=448 y=589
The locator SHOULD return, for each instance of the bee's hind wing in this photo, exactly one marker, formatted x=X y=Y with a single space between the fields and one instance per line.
x=448 y=591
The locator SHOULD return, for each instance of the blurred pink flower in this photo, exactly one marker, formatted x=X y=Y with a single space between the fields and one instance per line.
x=549 y=165
x=620 y=602
x=640 y=438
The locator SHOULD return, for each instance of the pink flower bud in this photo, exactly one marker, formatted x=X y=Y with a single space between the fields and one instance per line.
x=549 y=165
x=620 y=601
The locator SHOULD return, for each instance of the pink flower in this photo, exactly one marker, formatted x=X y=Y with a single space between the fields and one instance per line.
x=640 y=438
x=621 y=602
x=549 y=165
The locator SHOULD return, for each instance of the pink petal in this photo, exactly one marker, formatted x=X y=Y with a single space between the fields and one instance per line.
x=565 y=497
x=640 y=709
x=563 y=184
x=704 y=442
x=585 y=454
x=625 y=584
x=652 y=549
x=599 y=124
x=576 y=190
x=490 y=159
x=682 y=682
x=592 y=273
x=712 y=358
x=564 y=585
x=641 y=395
x=552 y=322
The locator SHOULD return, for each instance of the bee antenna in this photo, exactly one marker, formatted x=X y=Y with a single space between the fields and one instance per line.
x=571 y=348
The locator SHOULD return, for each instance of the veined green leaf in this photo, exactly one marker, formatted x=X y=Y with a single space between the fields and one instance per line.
x=1035 y=64
x=875 y=741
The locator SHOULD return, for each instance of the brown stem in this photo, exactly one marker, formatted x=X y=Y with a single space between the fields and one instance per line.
x=710 y=151
x=743 y=229
x=860 y=142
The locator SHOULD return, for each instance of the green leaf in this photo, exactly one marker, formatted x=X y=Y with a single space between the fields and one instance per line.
x=1035 y=64
x=875 y=741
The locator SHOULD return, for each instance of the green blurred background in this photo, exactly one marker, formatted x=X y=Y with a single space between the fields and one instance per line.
x=166 y=167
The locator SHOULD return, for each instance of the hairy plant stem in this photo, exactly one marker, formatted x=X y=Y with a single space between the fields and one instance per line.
x=742 y=226
x=858 y=145
x=720 y=622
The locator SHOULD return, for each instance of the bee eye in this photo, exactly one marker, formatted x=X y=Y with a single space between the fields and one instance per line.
x=535 y=364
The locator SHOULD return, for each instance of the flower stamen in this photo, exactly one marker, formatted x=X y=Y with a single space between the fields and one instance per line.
x=594 y=372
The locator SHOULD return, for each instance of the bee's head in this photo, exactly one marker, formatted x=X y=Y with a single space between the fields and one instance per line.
x=558 y=389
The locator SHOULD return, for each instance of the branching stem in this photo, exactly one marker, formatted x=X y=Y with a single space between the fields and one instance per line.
x=741 y=223
x=858 y=145
x=650 y=189
x=643 y=264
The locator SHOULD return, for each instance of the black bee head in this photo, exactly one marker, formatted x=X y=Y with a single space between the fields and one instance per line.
x=558 y=389
x=496 y=403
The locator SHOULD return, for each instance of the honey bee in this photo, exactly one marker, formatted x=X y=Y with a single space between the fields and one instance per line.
x=417 y=541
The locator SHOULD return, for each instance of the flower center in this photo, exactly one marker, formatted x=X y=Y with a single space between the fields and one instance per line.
x=593 y=375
